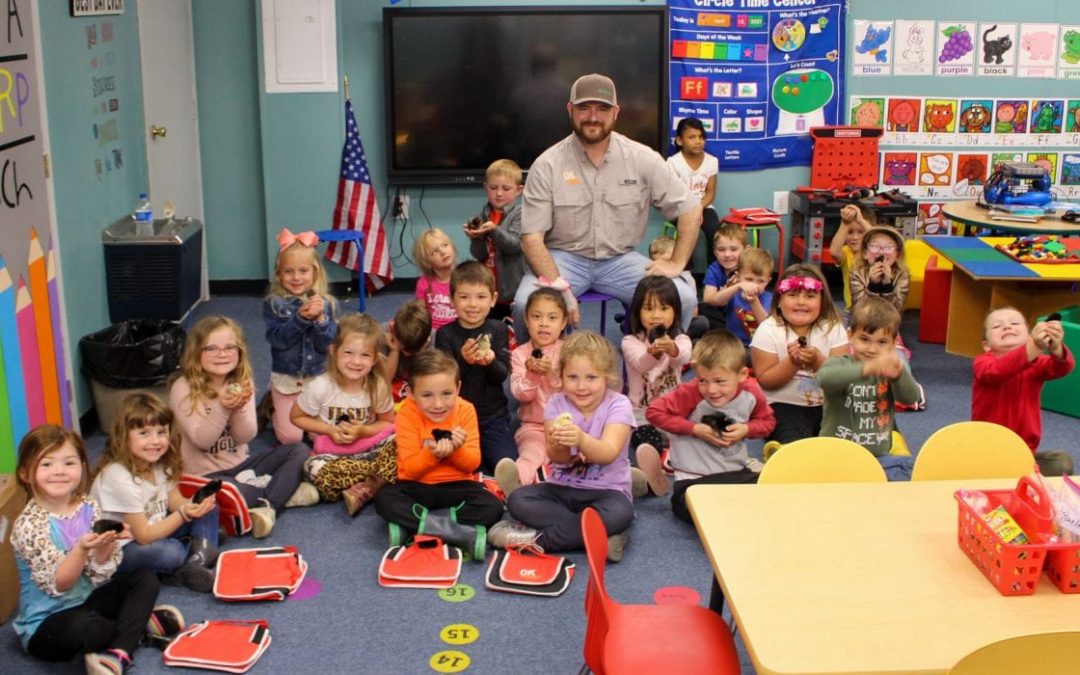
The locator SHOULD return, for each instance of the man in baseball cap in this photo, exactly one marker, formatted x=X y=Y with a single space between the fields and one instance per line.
x=593 y=110
x=586 y=208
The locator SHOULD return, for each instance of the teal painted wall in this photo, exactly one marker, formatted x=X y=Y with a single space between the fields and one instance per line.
x=86 y=203
x=230 y=137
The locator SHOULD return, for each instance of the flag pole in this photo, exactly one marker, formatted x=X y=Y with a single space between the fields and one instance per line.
x=347 y=97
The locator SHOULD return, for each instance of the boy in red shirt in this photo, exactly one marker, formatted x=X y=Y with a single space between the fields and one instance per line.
x=1009 y=375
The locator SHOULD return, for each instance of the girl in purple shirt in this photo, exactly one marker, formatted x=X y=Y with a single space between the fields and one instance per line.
x=587 y=426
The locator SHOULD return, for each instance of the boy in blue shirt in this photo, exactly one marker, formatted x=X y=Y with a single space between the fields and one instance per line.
x=750 y=303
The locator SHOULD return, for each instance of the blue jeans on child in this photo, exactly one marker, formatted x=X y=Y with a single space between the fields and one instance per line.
x=496 y=442
x=167 y=555
x=617 y=277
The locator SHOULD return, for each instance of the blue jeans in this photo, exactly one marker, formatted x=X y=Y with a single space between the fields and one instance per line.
x=496 y=442
x=167 y=555
x=617 y=277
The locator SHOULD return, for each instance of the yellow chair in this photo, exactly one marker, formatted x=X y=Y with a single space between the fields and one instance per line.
x=1043 y=653
x=973 y=450
x=822 y=460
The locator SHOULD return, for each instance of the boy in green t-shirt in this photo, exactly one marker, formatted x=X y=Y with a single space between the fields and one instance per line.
x=861 y=389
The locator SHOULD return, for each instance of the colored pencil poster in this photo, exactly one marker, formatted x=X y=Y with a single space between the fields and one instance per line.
x=58 y=337
x=12 y=362
x=24 y=318
x=39 y=295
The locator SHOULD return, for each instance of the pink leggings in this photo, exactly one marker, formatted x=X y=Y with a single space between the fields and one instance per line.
x=532 y=451
x=284 y=429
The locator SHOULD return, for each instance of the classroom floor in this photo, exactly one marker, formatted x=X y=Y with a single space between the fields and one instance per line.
x=346 y=622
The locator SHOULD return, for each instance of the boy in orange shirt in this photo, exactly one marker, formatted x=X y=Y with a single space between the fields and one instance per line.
x=438 y=452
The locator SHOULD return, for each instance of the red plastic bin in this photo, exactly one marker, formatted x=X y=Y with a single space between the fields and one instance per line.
x=1015 y=569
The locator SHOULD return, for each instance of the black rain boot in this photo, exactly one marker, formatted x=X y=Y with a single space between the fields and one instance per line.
x=472 y=539
x=197 y=572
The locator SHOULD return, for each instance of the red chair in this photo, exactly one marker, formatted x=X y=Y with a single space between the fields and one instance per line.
x=624 y=639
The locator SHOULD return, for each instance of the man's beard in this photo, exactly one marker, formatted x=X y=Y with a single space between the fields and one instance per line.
x=601 y=132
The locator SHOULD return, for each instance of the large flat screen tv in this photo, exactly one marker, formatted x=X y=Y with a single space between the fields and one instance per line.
x=467 y=86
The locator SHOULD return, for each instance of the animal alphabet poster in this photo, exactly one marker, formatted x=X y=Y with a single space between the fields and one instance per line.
x=873 y=42
x=868 y=112
x=1037 y=56
x=1068 y=65
x=758 y=76
x=970 y=122
x=945 y=148
x=955 y=53
x=965 y=48
x=997 y=49
x=914 y=46
x=976 y=116
x=903 y=114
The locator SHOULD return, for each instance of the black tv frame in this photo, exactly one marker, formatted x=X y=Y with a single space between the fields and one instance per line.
x=475 y=176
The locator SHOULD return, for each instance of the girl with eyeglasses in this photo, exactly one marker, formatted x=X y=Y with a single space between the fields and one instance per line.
x=881 y=271
x=211 y=397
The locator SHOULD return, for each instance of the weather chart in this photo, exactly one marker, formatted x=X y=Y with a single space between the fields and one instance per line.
x=758 y=74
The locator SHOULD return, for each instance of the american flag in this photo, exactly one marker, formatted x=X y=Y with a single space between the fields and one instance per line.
x=356 y=209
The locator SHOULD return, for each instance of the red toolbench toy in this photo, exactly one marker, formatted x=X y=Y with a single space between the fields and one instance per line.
x=844 y=170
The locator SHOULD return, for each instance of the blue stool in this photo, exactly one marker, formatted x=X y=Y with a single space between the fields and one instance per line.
x=602 y=298
x=356 y=238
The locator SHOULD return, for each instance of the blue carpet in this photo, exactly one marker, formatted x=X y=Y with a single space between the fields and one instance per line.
x=354 y=625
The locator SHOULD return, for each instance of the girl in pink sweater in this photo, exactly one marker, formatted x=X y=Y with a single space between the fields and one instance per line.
x=213 y=405
x=534 y=377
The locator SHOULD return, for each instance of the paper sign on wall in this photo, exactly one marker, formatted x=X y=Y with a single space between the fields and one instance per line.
x=997 y=49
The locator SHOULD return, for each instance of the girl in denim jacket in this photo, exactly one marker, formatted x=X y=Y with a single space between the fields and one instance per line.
x=301 y=320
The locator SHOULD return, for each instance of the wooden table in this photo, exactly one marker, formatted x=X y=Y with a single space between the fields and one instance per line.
x=984 y=277
x=970 y=213
x=860 y=577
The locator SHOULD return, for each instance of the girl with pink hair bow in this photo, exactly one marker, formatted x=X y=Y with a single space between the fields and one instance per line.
x=301 y=320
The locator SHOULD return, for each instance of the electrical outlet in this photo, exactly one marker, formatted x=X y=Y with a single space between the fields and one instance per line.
x=780 y=202
x=403 y=207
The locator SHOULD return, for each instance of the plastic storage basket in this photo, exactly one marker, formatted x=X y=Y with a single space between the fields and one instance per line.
x=1014 y=569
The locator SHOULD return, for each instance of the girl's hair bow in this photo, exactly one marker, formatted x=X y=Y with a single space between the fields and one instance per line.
x=798 y=283
x=285 y=239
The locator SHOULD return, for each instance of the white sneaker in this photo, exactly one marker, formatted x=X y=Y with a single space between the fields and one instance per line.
x=262 y=520
x=248 y=477
x=511 y=533
x=306 y=495
x=506 y=475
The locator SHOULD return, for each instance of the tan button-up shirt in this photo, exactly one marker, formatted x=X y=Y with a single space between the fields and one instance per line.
x=600 y=212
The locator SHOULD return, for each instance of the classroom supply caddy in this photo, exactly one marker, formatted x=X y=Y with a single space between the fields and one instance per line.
x=1014 y=569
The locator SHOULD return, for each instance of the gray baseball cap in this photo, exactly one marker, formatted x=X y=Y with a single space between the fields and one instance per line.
x=593 y=87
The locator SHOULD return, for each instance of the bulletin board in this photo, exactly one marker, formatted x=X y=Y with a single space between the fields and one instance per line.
x=33 y=376
x=958 y=93
x=758 y=74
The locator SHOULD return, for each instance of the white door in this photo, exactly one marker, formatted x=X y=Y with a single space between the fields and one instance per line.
x=166 y=49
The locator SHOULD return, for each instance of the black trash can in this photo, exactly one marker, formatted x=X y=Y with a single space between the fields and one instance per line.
x=130 y=356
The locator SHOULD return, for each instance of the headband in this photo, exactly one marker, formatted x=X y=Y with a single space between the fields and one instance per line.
x=799 y=283
x=285 y=239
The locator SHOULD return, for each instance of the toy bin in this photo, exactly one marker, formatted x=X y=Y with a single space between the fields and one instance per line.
x=1063 y=395
x=1014 y=569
